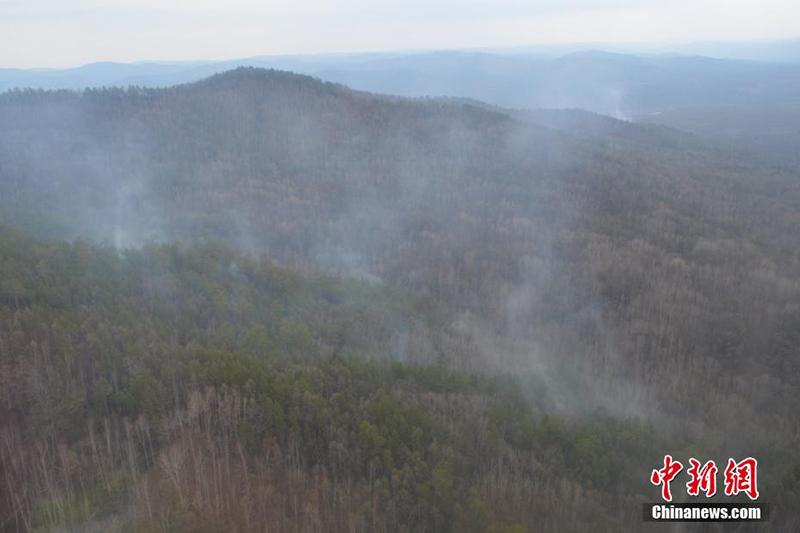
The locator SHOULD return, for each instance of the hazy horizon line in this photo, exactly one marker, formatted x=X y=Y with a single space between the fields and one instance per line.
x=627 y=47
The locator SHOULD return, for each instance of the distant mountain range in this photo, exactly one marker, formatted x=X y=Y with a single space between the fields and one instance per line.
x=616 y=84
x=754 y=102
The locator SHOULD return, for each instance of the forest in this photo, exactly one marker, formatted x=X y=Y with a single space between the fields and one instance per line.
x=261 y=301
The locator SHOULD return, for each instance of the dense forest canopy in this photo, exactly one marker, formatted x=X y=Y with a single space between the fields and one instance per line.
x=383 y=313
x=161 y=377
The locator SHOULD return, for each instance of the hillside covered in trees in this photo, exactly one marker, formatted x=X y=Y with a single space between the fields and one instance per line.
x=294 y=304
x=195 y=388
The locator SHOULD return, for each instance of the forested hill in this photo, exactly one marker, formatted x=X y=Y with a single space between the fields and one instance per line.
x=200 y=389
x=628 y=268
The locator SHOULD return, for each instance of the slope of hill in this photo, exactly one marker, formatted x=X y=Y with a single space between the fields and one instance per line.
x=199 y=389
x=631 y=268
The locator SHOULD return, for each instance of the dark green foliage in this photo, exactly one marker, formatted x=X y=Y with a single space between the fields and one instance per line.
x=141 y=331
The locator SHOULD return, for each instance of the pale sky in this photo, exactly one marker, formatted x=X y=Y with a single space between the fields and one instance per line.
x=63 y=33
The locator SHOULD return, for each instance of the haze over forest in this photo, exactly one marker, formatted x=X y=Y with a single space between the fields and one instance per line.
x=461 y=290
